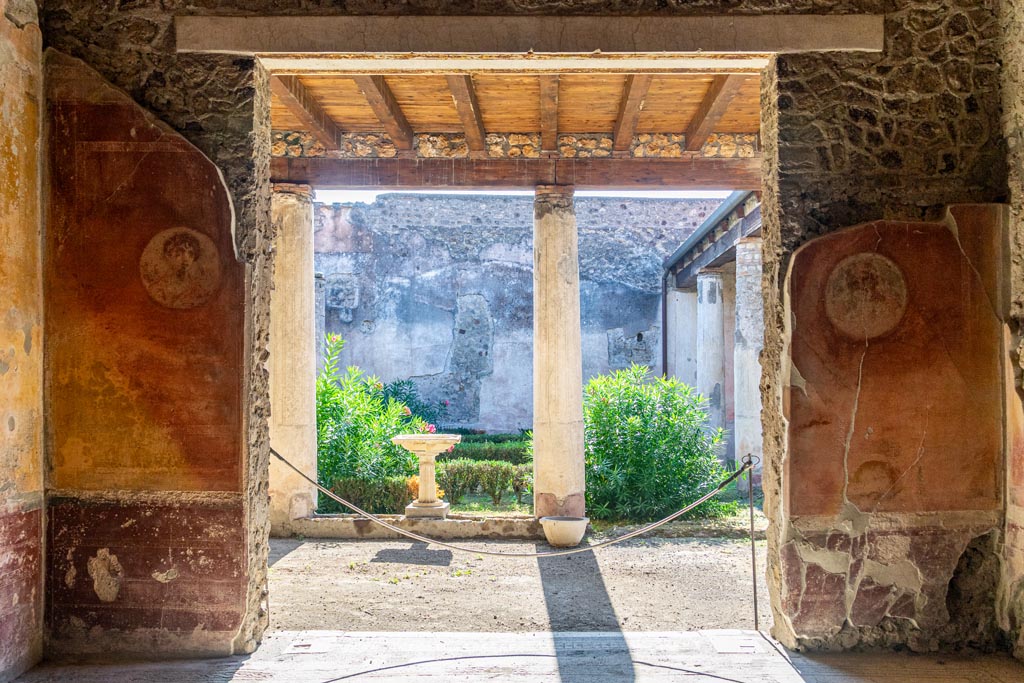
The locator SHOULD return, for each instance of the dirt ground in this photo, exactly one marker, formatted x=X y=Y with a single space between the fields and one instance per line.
x=656 y=584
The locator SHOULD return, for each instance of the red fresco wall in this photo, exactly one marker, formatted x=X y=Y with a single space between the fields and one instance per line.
x=144 y=367
x=895 y=409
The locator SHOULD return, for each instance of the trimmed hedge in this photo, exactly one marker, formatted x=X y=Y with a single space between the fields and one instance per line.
x=494 y=477
x=387 y=495
x=493 y=438
x=457 y=478
x=515 y=452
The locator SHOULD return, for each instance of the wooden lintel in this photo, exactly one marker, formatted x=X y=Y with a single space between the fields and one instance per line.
x=712 y=108
x=634 y=93
x=464 y=96
x=686 y=173
x=305 y=108
x=548 y=112
x=385 y=106
x=529 y=36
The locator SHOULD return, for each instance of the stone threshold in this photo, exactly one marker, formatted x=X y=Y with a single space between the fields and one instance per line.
x=456 y=526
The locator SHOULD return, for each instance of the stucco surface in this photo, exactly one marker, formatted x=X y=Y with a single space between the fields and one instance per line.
x=21 y=341
x=144 y=365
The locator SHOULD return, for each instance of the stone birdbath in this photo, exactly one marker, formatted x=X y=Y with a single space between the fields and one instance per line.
x=427 y=447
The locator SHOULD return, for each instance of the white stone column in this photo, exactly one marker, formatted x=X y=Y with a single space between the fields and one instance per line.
x=747 y=350
x=682 y=335
x=292 y=363
x=557 y=357
x=711 y=344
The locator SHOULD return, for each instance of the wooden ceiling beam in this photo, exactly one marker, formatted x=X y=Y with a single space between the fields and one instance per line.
x=385 y=106
x=307 y=110
x=712 y=108
x=691 y=172
x=634 y=93
x=464 y=96
x=549 y=113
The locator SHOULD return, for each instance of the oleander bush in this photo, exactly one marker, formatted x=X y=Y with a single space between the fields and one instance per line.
x=405 y=392
x=648 y=448
x=355 y=423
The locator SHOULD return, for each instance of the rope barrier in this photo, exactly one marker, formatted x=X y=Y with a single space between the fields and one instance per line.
x=748 y=463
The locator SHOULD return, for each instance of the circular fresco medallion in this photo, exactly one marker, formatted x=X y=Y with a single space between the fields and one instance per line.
x=180 y=268
x=866 y=296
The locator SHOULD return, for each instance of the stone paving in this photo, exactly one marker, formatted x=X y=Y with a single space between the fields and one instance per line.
x=612 y=657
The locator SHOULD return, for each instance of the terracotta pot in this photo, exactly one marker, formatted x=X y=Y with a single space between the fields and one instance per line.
x=564 y=532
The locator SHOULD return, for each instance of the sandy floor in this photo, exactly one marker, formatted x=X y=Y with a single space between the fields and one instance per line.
x=659 y=584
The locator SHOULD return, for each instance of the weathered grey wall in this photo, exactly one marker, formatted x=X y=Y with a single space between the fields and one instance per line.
x=439 y=289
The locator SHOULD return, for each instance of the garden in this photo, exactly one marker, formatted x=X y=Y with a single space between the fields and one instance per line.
x=648 y=450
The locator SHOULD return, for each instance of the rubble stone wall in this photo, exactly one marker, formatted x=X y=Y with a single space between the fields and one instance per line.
x=439 y=289
x=852 y=139
x=847 y=139
x=299 y=143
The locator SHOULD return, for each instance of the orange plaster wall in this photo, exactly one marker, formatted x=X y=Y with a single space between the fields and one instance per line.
x=921 y=405
x=144 y=353
x=21 y=312
x=21 y=345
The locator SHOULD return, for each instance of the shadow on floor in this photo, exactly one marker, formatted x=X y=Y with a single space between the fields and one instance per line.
x=577 y=600
x=416 y=553
x=281 y=548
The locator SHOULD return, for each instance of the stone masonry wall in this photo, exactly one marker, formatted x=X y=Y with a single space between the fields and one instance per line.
x=439 y=289
x=1011 y=601
x=849 y=139
x=21 y=341
x=846 y=138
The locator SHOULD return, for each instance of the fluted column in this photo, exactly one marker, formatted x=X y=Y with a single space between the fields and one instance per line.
x=292 y=363
x=557 y=357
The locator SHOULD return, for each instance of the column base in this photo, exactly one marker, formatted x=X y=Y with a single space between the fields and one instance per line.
x=437 y=510
x=547 y=505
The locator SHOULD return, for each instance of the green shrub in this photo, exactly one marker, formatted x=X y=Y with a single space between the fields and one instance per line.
x=387 y=495
x=493 y=438
x=522 y=481
x=355 y=423
x=405 y=392
x=514 y=452
x=456 y=478
x=495 y=478
x=649 y=450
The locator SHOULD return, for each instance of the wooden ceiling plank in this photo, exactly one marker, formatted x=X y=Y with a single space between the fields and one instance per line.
x=691 y=172
x=634 y=94
x=304 y=107
x=464 y=96
x=384 y=104
x=549 y=113
x=716 y=102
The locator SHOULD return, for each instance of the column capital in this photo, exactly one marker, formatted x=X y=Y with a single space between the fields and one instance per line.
x=293 y=188
x=551 y=198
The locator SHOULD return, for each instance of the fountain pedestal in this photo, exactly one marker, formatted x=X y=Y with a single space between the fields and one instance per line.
x=427 y=447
